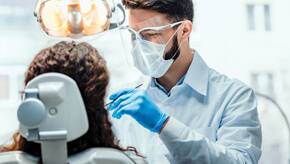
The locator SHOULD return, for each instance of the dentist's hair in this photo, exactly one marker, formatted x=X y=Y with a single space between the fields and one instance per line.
x=86 y=66
x=175 y=10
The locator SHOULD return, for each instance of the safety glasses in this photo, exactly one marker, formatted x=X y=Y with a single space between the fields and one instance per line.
x=151 y=34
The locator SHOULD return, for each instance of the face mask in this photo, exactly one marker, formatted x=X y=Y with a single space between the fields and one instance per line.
x=148 y=57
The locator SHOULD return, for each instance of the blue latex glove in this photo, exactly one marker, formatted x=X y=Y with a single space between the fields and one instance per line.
x=138 y=104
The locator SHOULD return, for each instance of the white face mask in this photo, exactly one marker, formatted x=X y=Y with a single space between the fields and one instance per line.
x=148 y=57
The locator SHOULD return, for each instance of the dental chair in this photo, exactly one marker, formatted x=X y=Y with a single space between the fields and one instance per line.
x=53 y=113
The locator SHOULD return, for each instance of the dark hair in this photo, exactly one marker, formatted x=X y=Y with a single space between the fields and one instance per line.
x=82 y=63
x=175 y=10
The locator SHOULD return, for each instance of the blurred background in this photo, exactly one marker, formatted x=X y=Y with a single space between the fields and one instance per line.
x=244 y=39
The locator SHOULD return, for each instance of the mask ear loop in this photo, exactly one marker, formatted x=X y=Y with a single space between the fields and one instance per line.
x=177 y=50
x=179 y=45
x=173 y=35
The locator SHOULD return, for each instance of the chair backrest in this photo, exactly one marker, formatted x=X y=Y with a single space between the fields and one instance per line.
x=102 y=156
x=17 y=157
x=64 y=108
x=92 y=155
x=53 y=113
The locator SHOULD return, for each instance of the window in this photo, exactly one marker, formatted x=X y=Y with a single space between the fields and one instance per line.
x=16 y=13
x=267 y=17
x=251 y=18
x=259 y=17
x=4 y=87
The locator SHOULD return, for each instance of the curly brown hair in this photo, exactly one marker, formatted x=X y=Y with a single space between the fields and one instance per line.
x=86 y=66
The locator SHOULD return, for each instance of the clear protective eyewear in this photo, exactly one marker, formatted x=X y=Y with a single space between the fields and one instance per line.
x=151 y=34
x=76 y=18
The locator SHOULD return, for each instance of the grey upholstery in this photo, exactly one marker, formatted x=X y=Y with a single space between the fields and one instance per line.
x=89 y=156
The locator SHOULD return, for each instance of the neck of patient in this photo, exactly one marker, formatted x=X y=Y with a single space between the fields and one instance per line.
x=177 y=70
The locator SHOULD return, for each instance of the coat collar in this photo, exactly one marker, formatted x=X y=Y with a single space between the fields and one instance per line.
x=197 y=75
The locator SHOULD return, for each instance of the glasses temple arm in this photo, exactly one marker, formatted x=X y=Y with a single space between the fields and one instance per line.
x=163 y=27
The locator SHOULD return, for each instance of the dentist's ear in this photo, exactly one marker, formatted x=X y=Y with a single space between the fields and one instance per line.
x=186 y=30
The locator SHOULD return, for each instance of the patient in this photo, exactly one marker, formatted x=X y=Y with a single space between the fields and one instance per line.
x=82 y=63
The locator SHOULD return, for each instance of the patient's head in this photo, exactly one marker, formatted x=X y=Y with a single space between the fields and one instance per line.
x=81 y=62
x=84 y=64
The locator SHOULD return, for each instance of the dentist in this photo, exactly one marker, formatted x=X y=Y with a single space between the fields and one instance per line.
x=187 y=112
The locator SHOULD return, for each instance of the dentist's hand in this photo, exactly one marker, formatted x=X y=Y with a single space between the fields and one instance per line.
x=139 y=105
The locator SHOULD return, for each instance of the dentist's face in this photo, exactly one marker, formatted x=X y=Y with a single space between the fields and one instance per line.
x=137 y=16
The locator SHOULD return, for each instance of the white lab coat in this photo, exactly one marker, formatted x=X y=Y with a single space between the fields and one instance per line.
x=213 y=120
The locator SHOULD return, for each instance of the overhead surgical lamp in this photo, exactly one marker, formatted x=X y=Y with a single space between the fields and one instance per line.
x=76 y=18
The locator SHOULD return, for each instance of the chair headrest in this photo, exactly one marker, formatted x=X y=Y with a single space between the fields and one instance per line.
x=53 y=102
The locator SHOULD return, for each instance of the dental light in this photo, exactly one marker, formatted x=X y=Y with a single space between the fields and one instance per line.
x=76 y=18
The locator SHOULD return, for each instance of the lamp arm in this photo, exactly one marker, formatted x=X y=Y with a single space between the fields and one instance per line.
x=283 y=115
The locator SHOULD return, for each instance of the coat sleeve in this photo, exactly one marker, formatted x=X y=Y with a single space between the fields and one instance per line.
x=238 y=138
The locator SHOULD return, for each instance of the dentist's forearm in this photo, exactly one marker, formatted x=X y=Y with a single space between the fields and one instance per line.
x=188 y=146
